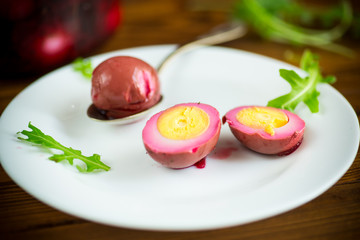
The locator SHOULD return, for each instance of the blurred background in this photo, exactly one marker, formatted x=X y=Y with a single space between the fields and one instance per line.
x=41 y=35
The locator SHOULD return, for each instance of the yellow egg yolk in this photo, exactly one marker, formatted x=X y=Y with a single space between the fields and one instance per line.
x=262 y=118
x=183 y=122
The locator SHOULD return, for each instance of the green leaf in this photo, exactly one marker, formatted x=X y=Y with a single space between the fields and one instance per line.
x=302 y=89
x=329 y=79
x=308 y=60
x=36 y=136
x=265 y=18
x=83 y=66
x=312 y=101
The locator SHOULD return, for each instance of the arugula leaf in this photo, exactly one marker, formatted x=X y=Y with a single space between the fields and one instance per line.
x=261 y=15
x=36 y=136
x=302 y=89
x=83 y=66
x=293 y=11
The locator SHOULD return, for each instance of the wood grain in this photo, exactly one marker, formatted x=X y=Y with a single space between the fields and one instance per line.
x=333 y=215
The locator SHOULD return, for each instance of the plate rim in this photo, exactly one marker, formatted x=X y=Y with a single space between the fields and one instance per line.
x=170 y=46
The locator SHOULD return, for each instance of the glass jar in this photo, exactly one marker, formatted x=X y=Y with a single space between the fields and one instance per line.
x=41 y=35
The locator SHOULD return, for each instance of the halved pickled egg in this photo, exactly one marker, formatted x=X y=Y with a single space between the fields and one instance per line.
x=182 y=135
x=265 y=129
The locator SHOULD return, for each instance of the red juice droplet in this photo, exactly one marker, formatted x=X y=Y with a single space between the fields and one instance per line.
x=201 y=163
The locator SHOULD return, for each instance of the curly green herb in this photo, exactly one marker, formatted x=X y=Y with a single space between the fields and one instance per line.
x=36 y=136
x=83 y=66
x=303 y=89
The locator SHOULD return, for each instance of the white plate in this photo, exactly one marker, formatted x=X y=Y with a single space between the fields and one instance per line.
x=139 y=193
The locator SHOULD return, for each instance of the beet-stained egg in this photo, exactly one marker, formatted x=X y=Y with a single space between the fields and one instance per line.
x=182 y=135
x=266 y=130
x=123 y=86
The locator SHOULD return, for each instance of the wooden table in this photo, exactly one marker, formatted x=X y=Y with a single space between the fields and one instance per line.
x=333 y=215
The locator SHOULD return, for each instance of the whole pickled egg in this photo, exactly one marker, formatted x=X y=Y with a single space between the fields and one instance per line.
x=123 y=86
x=182 y=135
x=266 y=130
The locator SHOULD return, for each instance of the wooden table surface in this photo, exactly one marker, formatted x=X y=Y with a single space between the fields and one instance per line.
x=333 y=215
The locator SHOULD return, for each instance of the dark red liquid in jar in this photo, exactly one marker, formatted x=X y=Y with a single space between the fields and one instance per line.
x=40 y=35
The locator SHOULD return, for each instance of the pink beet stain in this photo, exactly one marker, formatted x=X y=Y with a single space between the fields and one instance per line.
x=194 y=150
x=146 y=78
x=201 y=163
x=223 y=152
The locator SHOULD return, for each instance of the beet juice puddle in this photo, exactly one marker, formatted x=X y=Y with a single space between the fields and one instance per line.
x=219 y=153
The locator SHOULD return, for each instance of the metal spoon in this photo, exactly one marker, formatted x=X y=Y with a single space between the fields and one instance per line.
x=221 y=34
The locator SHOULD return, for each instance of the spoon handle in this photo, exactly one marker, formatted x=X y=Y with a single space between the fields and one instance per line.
x=221 y=34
